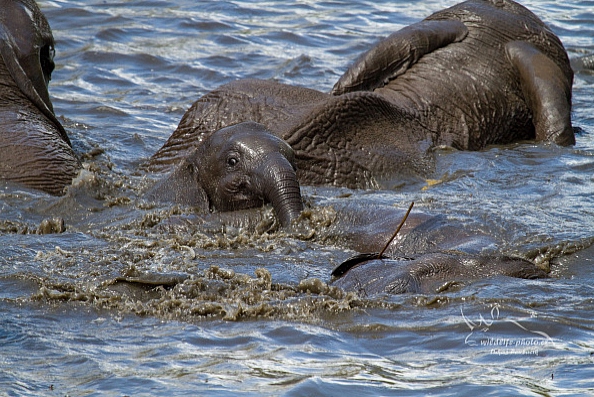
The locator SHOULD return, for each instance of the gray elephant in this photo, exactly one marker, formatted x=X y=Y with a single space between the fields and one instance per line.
x=34 y=148
x=429 y=254
x=428 y=273
x=238 y=167
x=478 y=73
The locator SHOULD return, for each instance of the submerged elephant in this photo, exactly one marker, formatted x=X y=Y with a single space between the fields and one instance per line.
x=478 y=73
x=427 y=273
x=429 y=254
x=34 y=148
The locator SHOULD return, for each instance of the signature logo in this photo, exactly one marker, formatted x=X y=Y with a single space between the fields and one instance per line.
x=479 y=335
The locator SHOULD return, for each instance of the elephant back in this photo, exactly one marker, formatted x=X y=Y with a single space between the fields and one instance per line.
x=277 y=106
x=505 y=21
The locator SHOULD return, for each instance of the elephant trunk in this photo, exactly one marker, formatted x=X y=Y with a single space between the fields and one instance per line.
x=282 y=190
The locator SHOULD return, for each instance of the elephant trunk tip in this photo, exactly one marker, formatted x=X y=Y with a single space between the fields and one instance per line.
x=289 y=212
x=286 y=200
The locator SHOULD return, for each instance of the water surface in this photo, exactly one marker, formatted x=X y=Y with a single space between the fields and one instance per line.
x=256 y=317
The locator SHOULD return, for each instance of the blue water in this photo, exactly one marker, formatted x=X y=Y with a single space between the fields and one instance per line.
x=126 y=72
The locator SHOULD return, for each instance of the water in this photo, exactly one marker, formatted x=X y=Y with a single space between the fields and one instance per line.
x=256 y=316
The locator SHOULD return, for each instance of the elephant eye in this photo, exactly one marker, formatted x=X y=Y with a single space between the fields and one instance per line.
x=232 y=161
x=46 y=58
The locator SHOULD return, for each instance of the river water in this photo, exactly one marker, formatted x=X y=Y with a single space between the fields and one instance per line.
x=255 y=315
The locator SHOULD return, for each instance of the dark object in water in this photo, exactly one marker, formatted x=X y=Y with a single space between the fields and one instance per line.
x=427 y=273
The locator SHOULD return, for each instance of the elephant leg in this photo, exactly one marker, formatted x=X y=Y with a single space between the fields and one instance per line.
x=392 y=56
x=546 y=90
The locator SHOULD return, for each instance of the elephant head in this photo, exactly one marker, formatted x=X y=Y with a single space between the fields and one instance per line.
x=238 y=167
x=34 y=148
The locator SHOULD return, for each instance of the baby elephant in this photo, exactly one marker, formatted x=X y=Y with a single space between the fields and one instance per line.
x=238 y=167
x=428 y=273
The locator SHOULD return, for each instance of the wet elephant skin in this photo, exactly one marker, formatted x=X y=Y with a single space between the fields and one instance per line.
x=34 y=148
x=428 y=273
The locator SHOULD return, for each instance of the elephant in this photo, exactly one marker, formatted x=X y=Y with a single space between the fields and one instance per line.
x=238 y=167
x=369 y=275
x=429 y=254
x=479 y=73
x=35 y=150
x=368 y=228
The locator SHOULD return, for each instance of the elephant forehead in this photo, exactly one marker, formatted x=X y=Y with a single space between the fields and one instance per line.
x=251 y=143
x=261 y=143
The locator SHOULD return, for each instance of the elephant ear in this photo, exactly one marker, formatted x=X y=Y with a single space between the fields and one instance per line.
x=395 y=54
x=182 y=186
x=546 y=90
x=27 y=48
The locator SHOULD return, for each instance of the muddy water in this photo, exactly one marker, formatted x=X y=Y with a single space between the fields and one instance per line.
x=241 y=306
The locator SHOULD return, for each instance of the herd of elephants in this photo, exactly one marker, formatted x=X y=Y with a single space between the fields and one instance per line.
x=479 y=73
